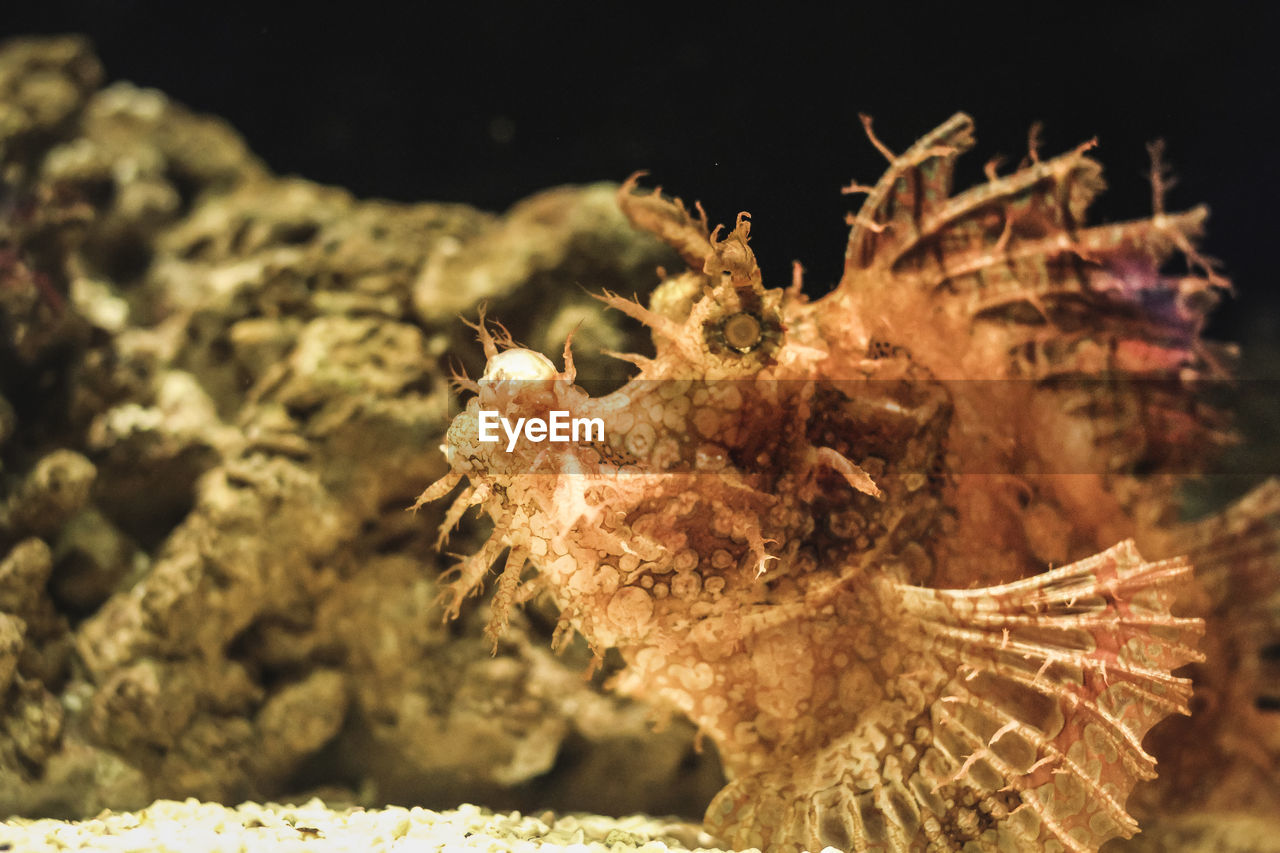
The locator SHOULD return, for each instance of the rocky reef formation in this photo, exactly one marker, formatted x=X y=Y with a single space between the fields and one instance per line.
x=219 y=391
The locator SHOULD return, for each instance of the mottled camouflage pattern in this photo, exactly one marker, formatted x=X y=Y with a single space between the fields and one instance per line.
x=820 y=528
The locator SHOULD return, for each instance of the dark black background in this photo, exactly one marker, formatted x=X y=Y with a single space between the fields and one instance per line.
x=740 y=109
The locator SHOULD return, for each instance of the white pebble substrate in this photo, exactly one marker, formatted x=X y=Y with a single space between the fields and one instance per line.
x=191 y=826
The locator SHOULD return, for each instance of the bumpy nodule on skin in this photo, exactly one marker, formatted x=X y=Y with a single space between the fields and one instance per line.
x=781 y=496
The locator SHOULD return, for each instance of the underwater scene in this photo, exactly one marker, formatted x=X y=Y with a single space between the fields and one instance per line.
x=395 y=459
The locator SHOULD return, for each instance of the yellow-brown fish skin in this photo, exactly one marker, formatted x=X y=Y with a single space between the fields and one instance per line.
x=820 y=528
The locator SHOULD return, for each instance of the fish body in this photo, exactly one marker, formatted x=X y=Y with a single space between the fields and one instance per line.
x=820 y=528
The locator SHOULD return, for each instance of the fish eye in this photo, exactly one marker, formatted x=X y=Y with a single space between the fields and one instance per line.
x=743 y=332
x=520 y=365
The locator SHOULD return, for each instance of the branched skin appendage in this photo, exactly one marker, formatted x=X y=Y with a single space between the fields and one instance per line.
x=802 y=533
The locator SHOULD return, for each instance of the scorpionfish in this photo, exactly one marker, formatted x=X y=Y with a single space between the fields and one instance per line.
x=822 y=529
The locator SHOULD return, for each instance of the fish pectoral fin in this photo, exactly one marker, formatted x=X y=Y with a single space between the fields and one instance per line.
x=1057 y=680
x=1236 y=553
x=1030 y=731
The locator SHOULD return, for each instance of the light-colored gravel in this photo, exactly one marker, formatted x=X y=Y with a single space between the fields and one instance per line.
x=195 y=827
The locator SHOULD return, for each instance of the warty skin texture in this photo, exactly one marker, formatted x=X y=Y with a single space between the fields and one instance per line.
x=811 y=530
